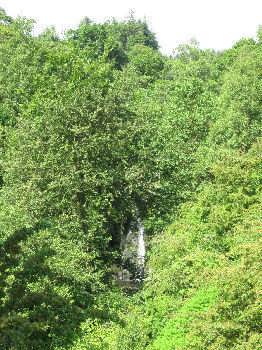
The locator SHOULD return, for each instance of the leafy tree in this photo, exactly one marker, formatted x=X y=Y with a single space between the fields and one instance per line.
x=96 y=127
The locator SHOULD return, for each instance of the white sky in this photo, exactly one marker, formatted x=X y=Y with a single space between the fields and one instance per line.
x=214 y=23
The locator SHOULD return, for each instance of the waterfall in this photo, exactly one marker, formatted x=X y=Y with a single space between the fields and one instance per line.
x=141 y=249
x=133 y=255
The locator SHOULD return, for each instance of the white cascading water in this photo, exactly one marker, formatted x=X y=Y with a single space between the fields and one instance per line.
x=141 y=249
x=133 y=254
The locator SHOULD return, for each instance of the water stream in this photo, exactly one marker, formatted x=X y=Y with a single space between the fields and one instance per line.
x=141 y=249
x=133 y=254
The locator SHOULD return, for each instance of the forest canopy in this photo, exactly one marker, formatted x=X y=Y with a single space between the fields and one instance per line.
x=97 y=126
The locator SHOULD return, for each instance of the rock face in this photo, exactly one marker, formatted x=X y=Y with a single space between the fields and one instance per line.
x=133 y=253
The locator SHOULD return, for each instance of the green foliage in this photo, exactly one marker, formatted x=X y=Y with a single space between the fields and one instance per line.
x=112 y=40
x=97 y=126
x=173 y=335
x=215 y=239
x=146 y=61
x=46 y=281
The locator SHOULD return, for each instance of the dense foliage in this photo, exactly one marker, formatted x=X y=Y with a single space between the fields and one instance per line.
x=97 y=126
